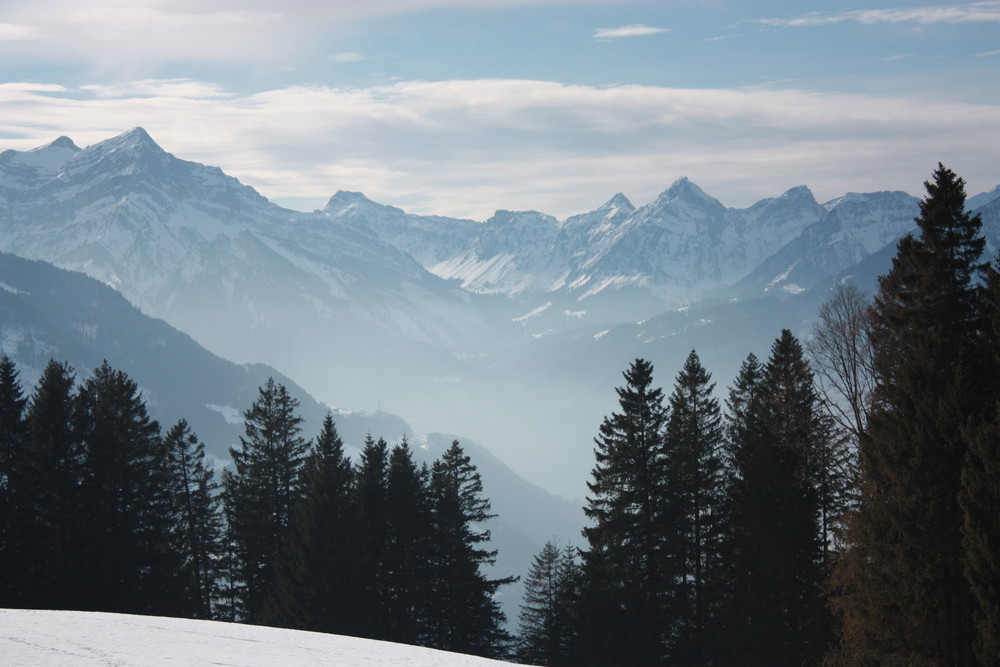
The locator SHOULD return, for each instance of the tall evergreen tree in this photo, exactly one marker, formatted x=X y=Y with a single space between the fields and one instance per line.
x=261 y=490
x=466 y=617
x=903 y=596
x=131 y=566
x=371 y=490
x=743 y=621
x=408 y=547
x=776 y=433
x=12 y=435
x=320 y=575
x=50 y=507
x=196 y=519
x=693 y=511
x=980 y=499
x=623 y=568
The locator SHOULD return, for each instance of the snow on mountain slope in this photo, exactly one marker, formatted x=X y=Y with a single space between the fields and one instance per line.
x=248 y=279
x=855 y=226
x=82 y=639
x=614 y=263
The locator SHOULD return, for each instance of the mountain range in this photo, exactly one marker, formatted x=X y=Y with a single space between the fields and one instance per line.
x=512 y=331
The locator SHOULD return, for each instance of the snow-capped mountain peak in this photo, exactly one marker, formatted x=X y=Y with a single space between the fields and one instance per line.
x=48 y=159
x=344 y=203
x=136 y=141
x=617 y=203
x=684 y=190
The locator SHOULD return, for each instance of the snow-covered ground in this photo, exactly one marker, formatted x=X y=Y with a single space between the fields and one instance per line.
x=75 y=639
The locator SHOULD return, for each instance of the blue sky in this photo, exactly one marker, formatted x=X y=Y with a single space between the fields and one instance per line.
x=460 y=107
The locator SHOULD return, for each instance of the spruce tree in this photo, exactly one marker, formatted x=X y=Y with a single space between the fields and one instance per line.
x=743 y=615
x=371 y=491
x=130 y=565
x=407 y=574
x=623 y=567
x=12 y=434
x=693 y=511
x=319 y=583
x=546 y=619
x=50 y=507
x=775 y=612
x=466 y=617
x=260 y=492
x=980 y=496
x=902 y=595
x=196 y=518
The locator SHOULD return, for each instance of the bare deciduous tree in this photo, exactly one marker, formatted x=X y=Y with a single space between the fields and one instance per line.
x=842 y=354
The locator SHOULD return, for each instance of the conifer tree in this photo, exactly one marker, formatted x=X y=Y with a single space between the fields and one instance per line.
x=693 y=511
x=196 y=519
x=980 y=498
x=320 y=575
x=261 y=490
x=466 y=618
x=546 y=620
x=371 y=491
x=12 y=433
x=50 y=508
x=408 y=547
x=130 y=565
x=623 y=568
x=775 y=614
x=230 y=601
x=903 y=596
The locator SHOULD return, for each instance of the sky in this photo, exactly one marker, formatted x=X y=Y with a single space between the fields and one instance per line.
x=463 y=107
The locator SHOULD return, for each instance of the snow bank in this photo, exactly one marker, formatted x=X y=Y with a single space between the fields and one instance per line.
x=76 y=638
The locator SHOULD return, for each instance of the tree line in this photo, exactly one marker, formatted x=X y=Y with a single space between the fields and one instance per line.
x=843 y=509
x=839 y=511
x=101 y=511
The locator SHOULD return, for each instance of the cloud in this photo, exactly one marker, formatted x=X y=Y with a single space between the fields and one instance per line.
x=634 y=30
x=468 y=147
x=976 y=12
x=126 y=36
x=14 y=32
x=347 y=57
x=986 y=54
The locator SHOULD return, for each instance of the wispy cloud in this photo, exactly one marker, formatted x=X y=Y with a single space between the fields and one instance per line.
x=634 y=30
x=976 y=12
x=468 y=147
x=347 y=57
x=15 y=32
x=987 y=54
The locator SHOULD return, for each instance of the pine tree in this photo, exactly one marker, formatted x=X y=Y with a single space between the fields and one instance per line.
x=623 y=568
x=12 y=435
x=980 y=497
x=261 y=490
x=408 y=547
x=693 y=517
x=371 y=490
x=744 y=622
x=196 y=519
x=466 y=617
x=775 y=613
x=131 y=567
x=902 y=595
x=50 y=508
x=546 y=620
x=319 y=583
